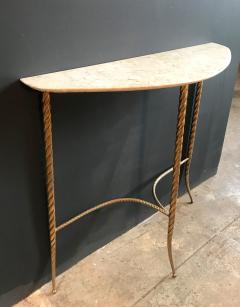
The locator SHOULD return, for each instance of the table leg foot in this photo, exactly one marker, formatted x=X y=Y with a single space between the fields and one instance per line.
x=170 y=255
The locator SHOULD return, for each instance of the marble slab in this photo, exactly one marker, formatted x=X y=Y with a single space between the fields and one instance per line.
x=153 y=71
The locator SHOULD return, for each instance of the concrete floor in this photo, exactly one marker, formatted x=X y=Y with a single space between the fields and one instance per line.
x=133 y=270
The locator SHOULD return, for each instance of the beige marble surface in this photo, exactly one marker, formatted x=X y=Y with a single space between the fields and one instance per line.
x=159 y=70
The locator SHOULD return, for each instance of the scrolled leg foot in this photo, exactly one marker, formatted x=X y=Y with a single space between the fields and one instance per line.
x=170 y=255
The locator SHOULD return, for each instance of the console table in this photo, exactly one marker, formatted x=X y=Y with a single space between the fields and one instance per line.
x=173 y=68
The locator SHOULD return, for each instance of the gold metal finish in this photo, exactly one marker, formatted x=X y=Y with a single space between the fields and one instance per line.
x=109 y=203
x=159 y=207
x=176 y=169
x=192 y=136
x=47 y=126
x=159 y=179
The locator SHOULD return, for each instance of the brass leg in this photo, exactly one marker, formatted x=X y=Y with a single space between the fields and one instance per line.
x=192 y=136
x=176 y=168
x=47 y=125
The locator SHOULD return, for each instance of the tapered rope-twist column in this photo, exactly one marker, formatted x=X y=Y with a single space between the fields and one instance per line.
x=47 y=125
x=176 y=168
x=192 y=136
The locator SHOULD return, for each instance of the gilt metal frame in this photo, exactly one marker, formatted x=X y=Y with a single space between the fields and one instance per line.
x=53 y=228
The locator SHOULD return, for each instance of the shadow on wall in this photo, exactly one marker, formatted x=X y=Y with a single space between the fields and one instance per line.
x=105 y=146
x=23 y=211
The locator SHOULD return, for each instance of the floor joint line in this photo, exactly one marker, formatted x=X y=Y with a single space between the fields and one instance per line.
x=186 y=260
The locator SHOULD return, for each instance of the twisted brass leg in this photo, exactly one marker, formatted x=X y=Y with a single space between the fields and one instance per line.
x=47 y=125
x=192 y=136
x=176 y=168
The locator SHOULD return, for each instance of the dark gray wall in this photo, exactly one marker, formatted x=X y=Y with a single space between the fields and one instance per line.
x=106 y=145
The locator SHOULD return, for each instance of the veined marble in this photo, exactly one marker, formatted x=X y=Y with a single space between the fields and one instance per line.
x=153 y=71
